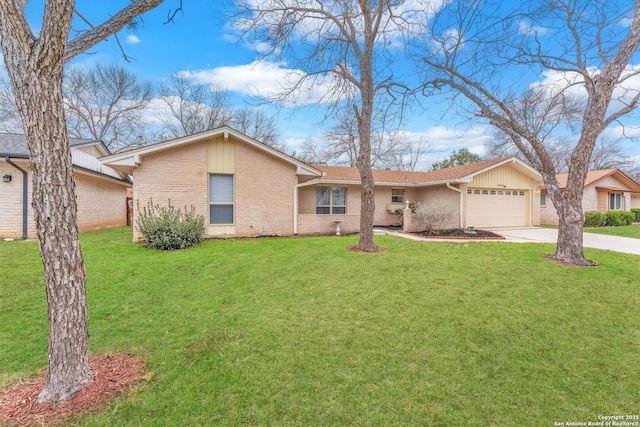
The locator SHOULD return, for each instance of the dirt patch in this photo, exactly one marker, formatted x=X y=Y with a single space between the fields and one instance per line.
x=377 y=250
x=113 y=374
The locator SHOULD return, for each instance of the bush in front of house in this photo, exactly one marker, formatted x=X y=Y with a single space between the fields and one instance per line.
x=435 y=214
x=636 y=212
x=168 y=227
x=594 y=219
x=618 y=218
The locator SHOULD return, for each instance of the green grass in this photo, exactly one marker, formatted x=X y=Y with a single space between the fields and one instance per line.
x=632 y=231
x=296 y=332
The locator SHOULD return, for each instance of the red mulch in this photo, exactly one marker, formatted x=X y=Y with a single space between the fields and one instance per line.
x=113 y=374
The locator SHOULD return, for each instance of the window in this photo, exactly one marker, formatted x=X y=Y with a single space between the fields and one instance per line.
x=492 y=192
x=331 y=200
x=543 y=199
x=397 y=195
x=522 y=193
x=500 y=193
x=507 y=193
x=485 y=191
x=476 y=191
x=220 y=199
x=615 y=201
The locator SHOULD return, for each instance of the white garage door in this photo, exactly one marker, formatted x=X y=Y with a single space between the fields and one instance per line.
x=497 y=208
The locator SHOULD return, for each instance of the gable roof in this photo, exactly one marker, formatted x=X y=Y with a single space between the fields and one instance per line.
x=14 y=145
x=462 y=173
x=127 y=161
x=597 y=175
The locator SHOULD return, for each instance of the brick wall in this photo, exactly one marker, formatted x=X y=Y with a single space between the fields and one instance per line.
x=263 y=187
x=264 y=193
x=11 y=202
x=101 y=202
x=178 y=174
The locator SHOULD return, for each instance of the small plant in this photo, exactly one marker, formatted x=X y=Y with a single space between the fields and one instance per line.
x=636 y=212
x=618 y=218
x=169 y=228
x=435 y=214
x=594 y=219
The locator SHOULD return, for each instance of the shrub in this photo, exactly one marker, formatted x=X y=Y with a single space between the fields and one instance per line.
x=636 y=212
x=594 y=219
x=435 y=214
x=169 y=228
x=618 y=218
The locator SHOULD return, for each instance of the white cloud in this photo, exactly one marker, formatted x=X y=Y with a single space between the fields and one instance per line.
x=269 y=80
x=133 y=39
x=532 y=30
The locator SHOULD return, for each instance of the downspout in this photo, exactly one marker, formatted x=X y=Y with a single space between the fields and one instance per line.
x=461 y=202
x=295 y=201
x=25 y=191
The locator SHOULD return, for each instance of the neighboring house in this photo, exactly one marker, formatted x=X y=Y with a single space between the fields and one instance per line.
x=246 y=188
x=604 y=190
x=100 y=190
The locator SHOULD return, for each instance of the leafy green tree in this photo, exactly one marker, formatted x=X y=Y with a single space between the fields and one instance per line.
x=458 y=158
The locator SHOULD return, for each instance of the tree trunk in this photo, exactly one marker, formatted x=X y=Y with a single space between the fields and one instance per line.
x=570 y=242
x=36 y=77
x=367 y=198
x=55 y=210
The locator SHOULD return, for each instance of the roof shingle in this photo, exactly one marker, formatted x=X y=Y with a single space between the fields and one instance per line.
x=341 y=173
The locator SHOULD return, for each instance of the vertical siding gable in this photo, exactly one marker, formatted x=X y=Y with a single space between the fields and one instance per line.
x=221 y=156
x=504 y=175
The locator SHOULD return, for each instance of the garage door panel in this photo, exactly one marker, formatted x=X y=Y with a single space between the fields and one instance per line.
x=498 y=210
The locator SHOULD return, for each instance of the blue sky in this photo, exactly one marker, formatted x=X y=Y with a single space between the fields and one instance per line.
x=199 y=43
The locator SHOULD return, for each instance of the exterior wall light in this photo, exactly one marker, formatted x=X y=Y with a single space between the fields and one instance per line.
x=6 y=178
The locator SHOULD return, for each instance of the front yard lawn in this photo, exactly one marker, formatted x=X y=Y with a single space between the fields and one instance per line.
x=299 y=331
x=622 y=231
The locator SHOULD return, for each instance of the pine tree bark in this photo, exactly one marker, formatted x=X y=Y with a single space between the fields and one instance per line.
x=36 y=74
x=35 y=67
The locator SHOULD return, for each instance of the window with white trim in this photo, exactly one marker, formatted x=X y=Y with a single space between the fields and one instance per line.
x=615 y=201
x=543 y=199
x=331 y=200
x=397 y=195
x=221 y=200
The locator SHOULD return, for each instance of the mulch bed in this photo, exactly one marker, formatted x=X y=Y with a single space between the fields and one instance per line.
x=113 y=374
x=458 y=233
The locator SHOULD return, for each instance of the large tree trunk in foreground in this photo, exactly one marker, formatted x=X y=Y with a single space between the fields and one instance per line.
x=35 y=67
x=38 y=93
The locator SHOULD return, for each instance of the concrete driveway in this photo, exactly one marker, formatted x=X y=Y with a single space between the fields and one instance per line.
x=590 y=240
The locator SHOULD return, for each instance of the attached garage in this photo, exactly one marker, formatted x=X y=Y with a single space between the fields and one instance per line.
x=498 y=208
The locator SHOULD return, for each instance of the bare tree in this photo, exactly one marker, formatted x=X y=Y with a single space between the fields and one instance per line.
x=9 y=117
x=106 y=102
x=411 y=154
x=344 y=48
x=35 y=67
x=192 y=107
x=257 y=125
x=585 y=53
